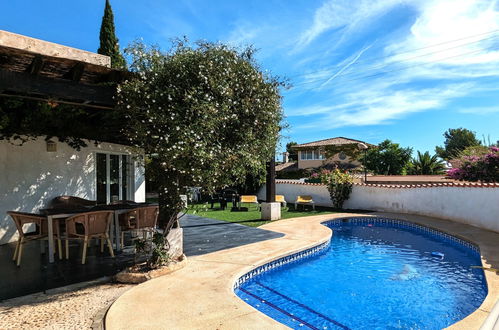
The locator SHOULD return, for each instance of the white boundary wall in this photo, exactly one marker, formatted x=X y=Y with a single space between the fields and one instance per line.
x=30 y=177
x=474 y=205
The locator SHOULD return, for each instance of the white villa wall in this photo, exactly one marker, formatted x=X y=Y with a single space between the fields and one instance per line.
x=30 y=177
x=473 y=205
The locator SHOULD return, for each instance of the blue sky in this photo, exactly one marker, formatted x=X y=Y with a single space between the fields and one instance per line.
x=369 y=70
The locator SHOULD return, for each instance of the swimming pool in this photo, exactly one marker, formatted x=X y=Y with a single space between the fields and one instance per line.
x=376 y=273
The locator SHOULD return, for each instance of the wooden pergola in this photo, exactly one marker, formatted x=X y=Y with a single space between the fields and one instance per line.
x=41 y=70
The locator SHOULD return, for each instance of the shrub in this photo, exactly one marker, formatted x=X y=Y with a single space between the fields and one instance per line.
x=314 y=177
x=339 y=185
x=477 y=168
x=156 y=250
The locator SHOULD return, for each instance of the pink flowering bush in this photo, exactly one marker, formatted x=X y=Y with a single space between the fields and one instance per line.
x=318 y=177
x=478 y=168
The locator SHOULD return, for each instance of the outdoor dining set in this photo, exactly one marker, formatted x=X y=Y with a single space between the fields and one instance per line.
x=73 y=218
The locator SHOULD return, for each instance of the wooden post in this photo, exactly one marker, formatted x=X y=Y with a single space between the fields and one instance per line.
x=270 y=196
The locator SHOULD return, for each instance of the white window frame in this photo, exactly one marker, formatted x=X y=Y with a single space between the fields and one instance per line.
x=314 y=154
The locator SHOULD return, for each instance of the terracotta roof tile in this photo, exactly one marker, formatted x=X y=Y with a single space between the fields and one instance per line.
x=328 y=142
x=404 y=186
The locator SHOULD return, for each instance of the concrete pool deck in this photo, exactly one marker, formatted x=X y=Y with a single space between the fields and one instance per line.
x=201 y=296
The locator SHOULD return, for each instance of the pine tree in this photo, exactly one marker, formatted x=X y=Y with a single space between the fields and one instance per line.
x=108 y=41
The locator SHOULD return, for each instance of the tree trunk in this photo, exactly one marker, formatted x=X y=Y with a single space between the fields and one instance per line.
x=170 y=203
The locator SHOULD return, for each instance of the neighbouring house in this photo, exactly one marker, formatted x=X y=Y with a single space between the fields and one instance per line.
x=33 y=173
x=313 y=154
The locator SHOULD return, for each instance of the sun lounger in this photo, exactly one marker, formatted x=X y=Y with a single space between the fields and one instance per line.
x=304 y=200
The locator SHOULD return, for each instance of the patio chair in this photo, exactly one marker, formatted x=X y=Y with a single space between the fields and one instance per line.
x=280 y=199
x=304 y=200
x=87 y=226
x=141 y=218
x=249 y=199
x=41 y=232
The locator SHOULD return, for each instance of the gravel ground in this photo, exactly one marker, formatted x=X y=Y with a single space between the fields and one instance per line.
x=72 y=307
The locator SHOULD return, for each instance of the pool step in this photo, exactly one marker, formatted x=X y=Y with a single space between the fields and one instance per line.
x=293 y=312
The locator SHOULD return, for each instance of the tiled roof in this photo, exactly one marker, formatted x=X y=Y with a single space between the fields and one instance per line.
x=289 y=166
x=328 y=142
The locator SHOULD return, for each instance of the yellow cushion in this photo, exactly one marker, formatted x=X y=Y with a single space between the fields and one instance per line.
x=304 y=199
x=249 y=199
x=279 y=198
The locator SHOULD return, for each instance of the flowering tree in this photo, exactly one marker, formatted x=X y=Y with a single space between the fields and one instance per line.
x=484 y=167
x=205 y=114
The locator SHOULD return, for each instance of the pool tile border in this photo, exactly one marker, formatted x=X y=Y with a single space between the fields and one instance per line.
x=281 y=262
x=410 y=225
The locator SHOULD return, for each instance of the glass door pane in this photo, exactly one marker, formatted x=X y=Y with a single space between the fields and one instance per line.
x=124 y=176
x=114 y=177
x=101 y=179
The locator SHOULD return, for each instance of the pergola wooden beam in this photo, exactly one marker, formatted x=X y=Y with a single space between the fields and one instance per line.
x=36 y=65
x=40 y=70
x=76 y=72
x=19 y=84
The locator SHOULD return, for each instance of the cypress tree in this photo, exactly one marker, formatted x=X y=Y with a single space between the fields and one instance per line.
x=108 y=41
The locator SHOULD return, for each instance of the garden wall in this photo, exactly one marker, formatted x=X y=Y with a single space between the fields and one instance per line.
x=474 y=204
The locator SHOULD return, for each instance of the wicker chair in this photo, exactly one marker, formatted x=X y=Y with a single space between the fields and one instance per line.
x=41 y=232
x=87 y=226
x=141 y=218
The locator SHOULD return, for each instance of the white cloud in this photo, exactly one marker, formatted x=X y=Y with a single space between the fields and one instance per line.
x=389 y=88
x=244 y=34
x=334 y=14
x=461 y=28
x=480 y=110
x=377 y=106
x=349 y=64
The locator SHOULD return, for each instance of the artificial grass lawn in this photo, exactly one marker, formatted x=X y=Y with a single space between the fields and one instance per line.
x=252 y=216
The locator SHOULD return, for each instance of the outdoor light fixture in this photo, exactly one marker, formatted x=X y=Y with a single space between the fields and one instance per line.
x=52 y=103
x=51 y=146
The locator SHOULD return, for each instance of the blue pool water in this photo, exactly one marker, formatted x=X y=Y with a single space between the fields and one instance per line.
x=374 y=275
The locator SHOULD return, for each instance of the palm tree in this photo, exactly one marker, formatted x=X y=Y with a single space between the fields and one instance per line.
x=425 y=164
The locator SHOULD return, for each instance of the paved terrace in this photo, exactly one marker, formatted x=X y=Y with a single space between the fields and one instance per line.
x=200 y=296
x=36 y=275
x=204 y=235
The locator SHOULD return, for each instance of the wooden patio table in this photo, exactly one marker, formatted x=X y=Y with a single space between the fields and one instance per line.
x=62 y=213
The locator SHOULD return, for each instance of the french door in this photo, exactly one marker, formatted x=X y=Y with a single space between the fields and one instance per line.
x=113 y=177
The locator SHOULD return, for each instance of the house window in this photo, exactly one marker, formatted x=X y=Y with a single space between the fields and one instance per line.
x=113 y=177
x=312 y=155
